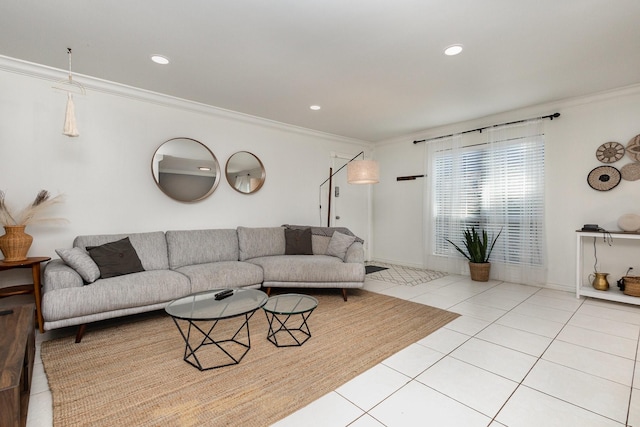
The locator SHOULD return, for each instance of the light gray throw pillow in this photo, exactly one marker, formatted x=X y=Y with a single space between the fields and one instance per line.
x=339 y=244
x=81 y=262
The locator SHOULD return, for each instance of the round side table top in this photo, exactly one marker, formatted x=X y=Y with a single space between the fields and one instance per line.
x=24 y=263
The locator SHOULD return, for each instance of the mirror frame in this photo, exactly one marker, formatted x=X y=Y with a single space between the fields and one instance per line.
x=263 y=174
x=217 y=171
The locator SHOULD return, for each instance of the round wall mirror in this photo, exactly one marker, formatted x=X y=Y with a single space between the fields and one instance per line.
x=245 y=172
x=185 y=170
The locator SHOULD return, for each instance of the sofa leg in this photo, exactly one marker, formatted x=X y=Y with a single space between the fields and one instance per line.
x=80 y=332
x=268 y=291
x=344 y=293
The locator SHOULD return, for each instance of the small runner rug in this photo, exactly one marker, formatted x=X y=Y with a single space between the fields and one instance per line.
x=401 y=275
x=132 y=373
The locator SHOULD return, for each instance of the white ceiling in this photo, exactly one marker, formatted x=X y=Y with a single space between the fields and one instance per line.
x=375 y=66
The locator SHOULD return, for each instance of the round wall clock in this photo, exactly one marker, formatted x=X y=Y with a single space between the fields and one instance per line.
x=610 y=152
x=603 y=178
x=633 y=148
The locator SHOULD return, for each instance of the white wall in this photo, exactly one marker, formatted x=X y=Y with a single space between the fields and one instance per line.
x=571 y=143
x=105 y=173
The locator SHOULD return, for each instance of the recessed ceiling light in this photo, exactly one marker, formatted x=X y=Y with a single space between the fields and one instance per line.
x=453 y=50
x=159 y=59
x=315 y=107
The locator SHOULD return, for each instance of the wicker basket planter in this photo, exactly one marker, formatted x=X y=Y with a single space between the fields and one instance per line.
x=631 y=285
x=15 y=243
x=480 y=271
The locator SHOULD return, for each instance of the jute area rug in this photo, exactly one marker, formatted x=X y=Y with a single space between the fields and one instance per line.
x=132 y=373
x=401 y=275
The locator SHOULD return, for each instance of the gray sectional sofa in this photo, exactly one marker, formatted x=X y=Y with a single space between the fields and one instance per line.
x=181 y=262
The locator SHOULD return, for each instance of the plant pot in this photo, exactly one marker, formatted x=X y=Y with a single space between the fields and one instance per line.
x=480 y=271
x=15 y=243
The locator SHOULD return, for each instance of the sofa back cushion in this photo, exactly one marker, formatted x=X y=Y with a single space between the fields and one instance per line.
x=151 y=247
x=257 y=242
x=191 y=247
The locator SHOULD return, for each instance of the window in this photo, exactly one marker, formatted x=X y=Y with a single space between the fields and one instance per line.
x=491 y=185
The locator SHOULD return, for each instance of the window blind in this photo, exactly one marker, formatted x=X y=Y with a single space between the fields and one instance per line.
x=497 y=186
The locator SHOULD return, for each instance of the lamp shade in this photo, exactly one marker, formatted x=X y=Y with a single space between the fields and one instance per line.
x=363 y=172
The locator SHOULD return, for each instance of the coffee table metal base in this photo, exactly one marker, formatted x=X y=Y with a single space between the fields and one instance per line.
x=290 y=336
x=198 y=339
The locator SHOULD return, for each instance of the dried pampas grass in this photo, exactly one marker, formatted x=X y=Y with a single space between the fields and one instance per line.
x=32 y=213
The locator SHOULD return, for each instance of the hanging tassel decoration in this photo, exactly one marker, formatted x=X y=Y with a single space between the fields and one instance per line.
x=70 y=127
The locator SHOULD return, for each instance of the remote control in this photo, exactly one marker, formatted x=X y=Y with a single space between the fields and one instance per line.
x=5 y=312
x=224 y=294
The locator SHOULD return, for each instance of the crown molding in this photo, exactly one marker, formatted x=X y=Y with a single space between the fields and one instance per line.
x=94 y=84
x=516 y=114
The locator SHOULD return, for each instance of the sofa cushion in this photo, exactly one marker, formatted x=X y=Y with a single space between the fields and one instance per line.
x=308 y=268
x=324 y=231
x=222 y=274
x=298 y=242
x=116 y=293
x=339 y=244
x=81 y=262
x=188 y=247
x=116 y=258
x=259 y=242
x=320 y=244
x=151 y=247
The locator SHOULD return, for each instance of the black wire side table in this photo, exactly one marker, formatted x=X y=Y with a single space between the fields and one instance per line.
x=215 y=325
x=287 y=315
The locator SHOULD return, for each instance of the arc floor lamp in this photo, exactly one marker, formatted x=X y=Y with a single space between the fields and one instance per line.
x=358 y=172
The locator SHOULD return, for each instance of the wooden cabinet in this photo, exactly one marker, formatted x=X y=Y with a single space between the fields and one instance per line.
x=585 y=289
x=17 y=349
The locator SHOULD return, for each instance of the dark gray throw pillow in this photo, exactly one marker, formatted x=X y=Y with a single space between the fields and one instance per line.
x=116 y=258
x=298 y=242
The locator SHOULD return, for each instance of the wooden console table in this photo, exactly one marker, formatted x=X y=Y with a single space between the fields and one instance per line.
x=34 y=264
x=17 y=350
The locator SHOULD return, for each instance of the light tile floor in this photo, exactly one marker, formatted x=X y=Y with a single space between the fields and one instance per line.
x=518 y=356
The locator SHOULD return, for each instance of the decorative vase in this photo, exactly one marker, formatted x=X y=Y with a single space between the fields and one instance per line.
x=599 y=281
x=479 y=271
x=15 y=243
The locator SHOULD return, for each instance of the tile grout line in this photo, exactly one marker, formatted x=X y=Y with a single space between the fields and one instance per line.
x=633 y=375
x=537 y=359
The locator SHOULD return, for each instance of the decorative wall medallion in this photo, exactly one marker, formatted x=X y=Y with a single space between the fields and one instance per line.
x=610 y=152
x=604 y=178
x=631 y=171
x=633 y=148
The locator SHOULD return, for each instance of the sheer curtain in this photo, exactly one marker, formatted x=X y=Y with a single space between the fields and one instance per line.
x=492 y=180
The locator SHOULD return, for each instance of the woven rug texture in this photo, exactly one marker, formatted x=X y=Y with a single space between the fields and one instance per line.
x=401 y=275
x=131 y=372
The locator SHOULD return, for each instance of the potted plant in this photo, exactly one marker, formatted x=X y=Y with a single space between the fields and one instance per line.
x=15 y=243
x=477 y=252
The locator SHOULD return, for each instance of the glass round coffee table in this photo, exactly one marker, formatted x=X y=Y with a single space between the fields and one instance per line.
x=287 y=315
x=199 y=318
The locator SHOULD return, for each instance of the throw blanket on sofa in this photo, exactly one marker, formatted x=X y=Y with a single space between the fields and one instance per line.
x=324 y=231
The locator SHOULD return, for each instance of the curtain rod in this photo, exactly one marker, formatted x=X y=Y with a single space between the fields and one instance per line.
x=550 y=117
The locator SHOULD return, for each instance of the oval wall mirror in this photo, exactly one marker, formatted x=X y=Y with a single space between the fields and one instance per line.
x=185 y=170
x=245 y=172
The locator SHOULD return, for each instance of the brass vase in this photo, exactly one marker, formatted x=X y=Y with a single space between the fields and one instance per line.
x=15 y=243
x=600 y=281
